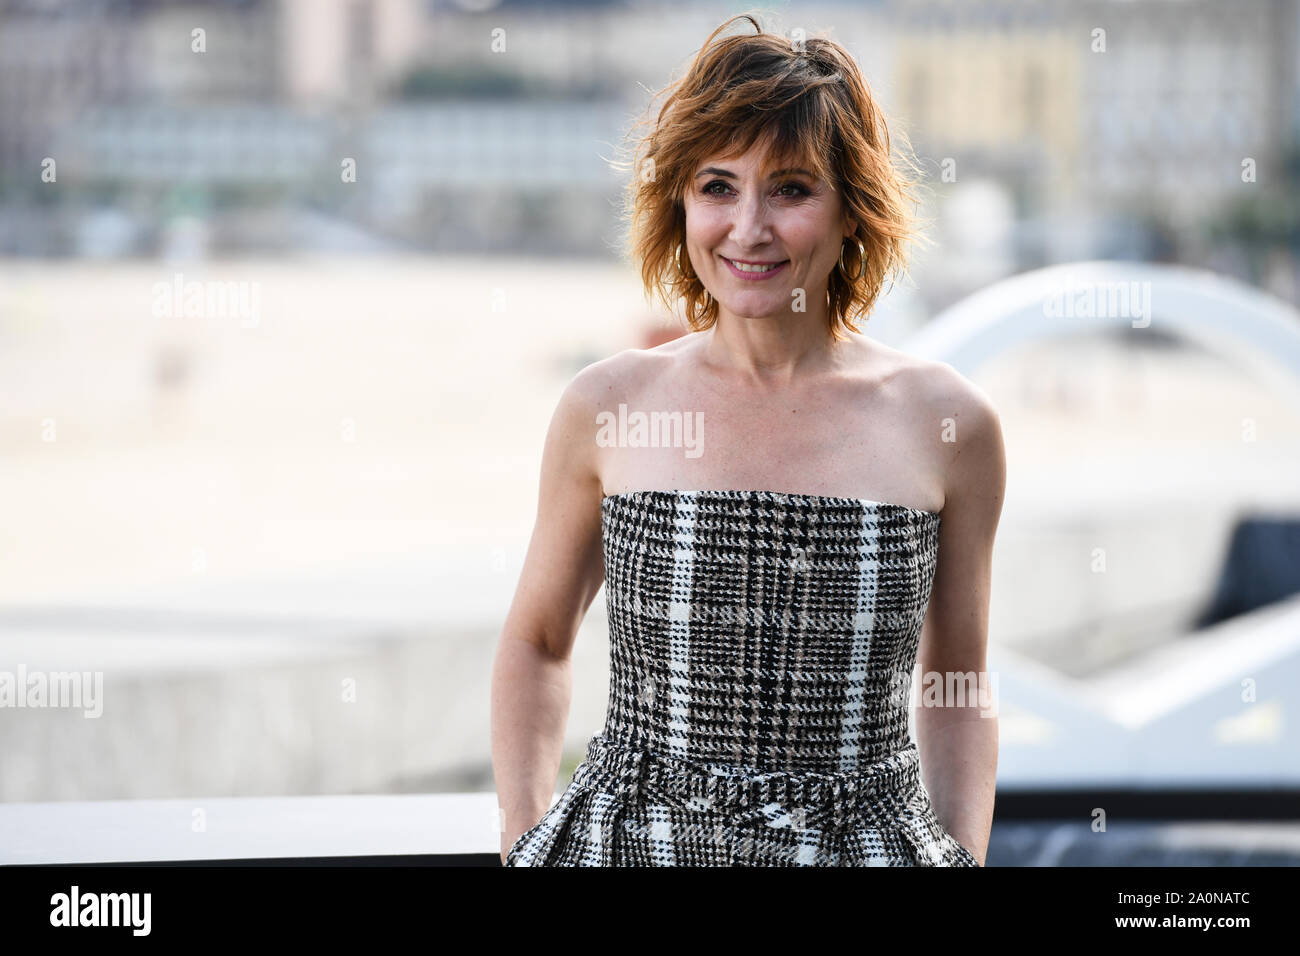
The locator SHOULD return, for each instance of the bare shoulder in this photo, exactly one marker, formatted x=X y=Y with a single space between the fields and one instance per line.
x=599 y=387
x=941 y=391
x=625 y=373
x=964 y=417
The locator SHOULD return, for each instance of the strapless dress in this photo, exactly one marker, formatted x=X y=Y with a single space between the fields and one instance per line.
x=761 y=655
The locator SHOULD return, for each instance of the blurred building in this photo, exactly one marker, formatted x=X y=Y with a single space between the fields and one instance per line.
x=1111 y=128
x=1090 y=109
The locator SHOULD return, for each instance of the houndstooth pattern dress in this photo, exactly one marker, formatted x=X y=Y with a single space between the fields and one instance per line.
x=761 y=655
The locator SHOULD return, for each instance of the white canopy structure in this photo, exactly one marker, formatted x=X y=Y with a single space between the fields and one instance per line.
x=1217 y=708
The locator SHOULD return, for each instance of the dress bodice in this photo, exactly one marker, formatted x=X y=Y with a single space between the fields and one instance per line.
x=764 y=630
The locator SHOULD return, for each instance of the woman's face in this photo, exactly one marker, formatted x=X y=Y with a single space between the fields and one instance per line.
x=790 y=221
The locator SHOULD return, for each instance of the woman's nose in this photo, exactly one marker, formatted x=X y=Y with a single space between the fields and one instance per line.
x=750 y=226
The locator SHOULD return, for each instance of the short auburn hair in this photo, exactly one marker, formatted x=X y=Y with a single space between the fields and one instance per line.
x=808 y=103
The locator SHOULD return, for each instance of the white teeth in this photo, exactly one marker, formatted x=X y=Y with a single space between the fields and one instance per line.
x=746 y=268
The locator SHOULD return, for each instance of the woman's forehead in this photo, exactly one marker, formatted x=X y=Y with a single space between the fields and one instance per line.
x=764 y=161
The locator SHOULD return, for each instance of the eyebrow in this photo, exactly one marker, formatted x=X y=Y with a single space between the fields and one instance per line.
x=715 y=171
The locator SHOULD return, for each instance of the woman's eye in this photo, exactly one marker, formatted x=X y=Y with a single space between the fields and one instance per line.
x=798 y=190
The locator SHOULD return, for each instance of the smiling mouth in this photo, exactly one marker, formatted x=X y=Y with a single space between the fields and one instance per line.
x=754 y=268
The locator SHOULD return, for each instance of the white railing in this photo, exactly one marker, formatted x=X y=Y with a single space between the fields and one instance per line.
x=249 y=828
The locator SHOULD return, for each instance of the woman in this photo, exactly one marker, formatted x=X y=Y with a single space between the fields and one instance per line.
x=825 y=510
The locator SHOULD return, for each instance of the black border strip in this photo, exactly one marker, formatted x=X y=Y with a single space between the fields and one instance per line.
x=1280 y=805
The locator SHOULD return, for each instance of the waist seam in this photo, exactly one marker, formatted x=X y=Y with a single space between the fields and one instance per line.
x=879 y=793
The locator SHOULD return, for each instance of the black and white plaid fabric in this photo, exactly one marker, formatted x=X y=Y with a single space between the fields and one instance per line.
x=761 y=655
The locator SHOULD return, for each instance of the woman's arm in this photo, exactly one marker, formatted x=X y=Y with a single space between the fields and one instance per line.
x=562 y=572
x=958 y=741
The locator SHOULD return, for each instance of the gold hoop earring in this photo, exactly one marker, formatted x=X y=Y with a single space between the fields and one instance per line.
x=862 y=263
x=678 y=257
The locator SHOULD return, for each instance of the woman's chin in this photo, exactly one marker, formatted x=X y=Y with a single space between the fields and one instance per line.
x=754 y=306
